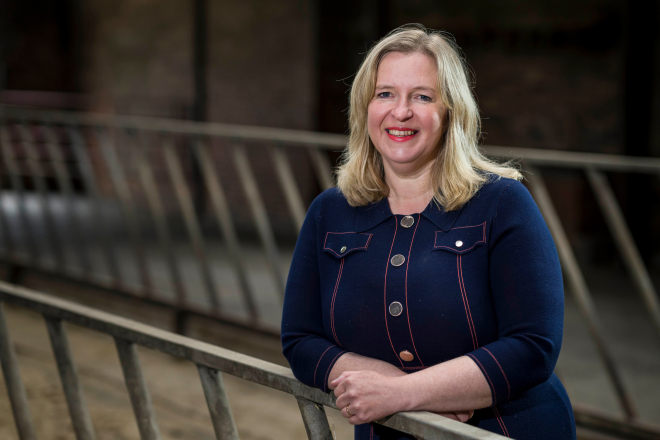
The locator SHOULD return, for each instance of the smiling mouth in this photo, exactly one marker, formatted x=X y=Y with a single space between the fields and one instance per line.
x=401 y=133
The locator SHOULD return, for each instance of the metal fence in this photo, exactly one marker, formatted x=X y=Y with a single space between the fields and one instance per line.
x=211 y=361
x=145 y=171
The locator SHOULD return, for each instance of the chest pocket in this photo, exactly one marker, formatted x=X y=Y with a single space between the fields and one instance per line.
x=340 y=244
x=461 y=239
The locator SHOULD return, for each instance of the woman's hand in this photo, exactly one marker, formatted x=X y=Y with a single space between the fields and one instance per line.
x=365 y=396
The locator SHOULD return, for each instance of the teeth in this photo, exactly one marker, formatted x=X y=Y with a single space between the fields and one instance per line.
x=401 y=133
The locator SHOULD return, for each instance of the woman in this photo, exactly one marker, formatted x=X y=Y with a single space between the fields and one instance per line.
x=428 y=279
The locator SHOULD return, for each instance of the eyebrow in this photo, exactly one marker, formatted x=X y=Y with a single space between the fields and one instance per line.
x=386 y=86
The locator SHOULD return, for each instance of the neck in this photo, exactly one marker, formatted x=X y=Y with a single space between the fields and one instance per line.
x=410 y=191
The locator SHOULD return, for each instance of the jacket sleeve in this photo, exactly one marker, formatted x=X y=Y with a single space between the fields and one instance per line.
x=310 y=354
x=527 y=289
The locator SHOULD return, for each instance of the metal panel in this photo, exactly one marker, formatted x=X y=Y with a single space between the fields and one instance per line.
x=137 y=390
x=82 y=423
x=160 y=219
x=14 y=383
x=218 y=403
x=316 y=422
x=260 y=216
x=221 y=208
x=625 y=243
x=579 y=288
x=192 y=223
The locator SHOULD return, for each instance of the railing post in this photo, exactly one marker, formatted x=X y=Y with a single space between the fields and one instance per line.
x=66 y=188
x=137 y=390
x=223 y=215
x=322 y=166
x=15 y=387
x=260 y=215
x=39 y=181
x=288 y=182
x=124 y=193
x=579 y=287
x=89 y=179
x=624 y=241
x=17 y=183
x=160 y=219
x=82 y=423
x=192 y=222
x=316 y=421
x=218 y=403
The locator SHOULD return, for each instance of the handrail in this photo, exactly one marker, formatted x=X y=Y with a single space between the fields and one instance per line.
x=209 y=358
x=571 y=159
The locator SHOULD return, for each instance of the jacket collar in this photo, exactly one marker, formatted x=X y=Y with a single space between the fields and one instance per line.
x=374 y=214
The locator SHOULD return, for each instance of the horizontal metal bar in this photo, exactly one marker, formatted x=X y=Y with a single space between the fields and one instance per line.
x=311 y=139
x=422 y=424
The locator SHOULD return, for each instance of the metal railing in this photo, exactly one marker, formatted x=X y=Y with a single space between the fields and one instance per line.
x=211 y=361
x=133 y=159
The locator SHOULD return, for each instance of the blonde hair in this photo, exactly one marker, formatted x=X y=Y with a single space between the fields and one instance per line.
x=460 y=168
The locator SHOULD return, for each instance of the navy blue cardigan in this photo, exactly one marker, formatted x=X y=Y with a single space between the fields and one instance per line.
x=482 y=281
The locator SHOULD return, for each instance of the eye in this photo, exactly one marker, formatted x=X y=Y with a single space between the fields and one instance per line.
x=384 y=95
x=425 y=98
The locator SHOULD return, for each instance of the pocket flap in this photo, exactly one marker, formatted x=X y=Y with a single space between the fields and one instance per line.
x=341 y=244
x=461 y=239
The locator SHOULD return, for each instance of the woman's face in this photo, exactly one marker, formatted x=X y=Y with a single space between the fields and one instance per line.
x=406 y=115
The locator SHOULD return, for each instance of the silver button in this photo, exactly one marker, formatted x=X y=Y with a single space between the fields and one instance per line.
x=342 y=250
x=398 y=260
x=407 y=221
x=396 y=308
x=459 y=243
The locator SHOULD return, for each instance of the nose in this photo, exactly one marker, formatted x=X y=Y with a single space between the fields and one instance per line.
x=402 y=111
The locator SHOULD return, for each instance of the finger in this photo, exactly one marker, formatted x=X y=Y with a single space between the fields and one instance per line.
x=471 y=414
x=462 y=417
x=340 y=389
x=449 y=416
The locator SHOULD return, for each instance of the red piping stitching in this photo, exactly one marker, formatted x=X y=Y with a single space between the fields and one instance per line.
x=385 y=291
x=372 y=432
x=499 y=421
x=348 y=250
x=325 y=381
x=317 y=364
x=498 y=364
x=499 y=418
x=483 y=240
x=332 y=306
x=467 y=301
x=406 y=290
x=492 y=387
x=468 y=315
